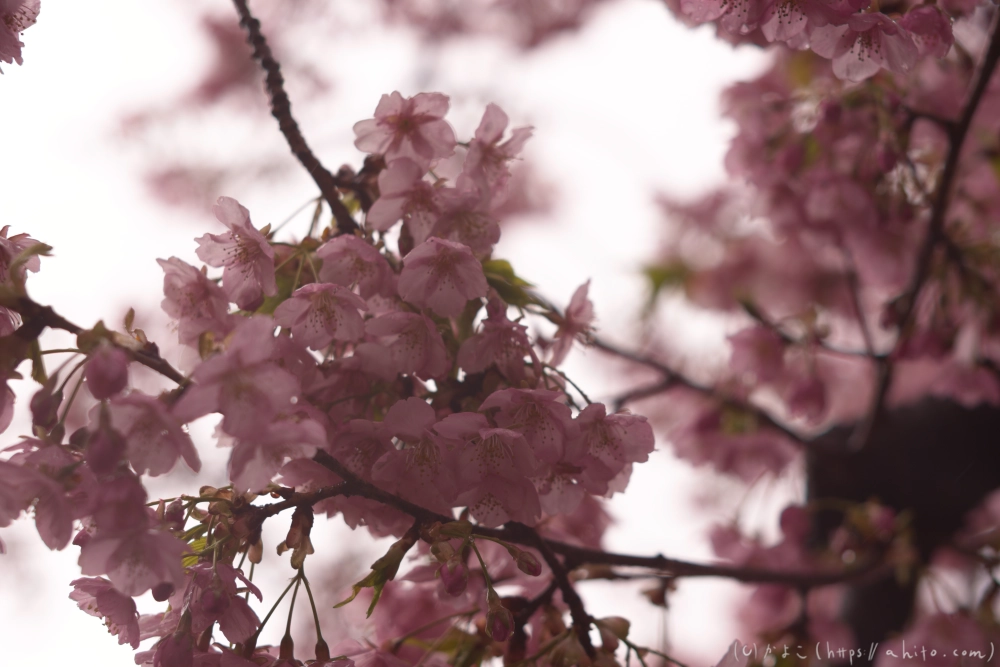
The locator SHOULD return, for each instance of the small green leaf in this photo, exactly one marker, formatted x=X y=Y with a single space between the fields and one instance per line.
x=511 y=288
x=129 y=319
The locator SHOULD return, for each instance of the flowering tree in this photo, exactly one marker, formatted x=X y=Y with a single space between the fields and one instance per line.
x=381 y=368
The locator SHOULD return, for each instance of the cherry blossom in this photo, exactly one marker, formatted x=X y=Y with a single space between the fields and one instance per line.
x=98 y=597
x=500 y=343
x=248 y=259
x=349 y=261
x=441 y=275
x=197 y=303
x=320 y=313
x=405 y=195
x=486 y=162
x=16 y=16
x=135 y=562
x=410 y=342
x=106 y=371
x=412 y=127
x=154 y=438
x=243 y=383
x=577 y=321
x=866 y=43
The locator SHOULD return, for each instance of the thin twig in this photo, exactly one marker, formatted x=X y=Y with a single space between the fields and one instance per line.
x=281 y=109
x=672 y=378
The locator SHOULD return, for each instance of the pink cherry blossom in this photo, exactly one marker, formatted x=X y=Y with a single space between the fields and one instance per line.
x=930 y=29
x=758 y=350
x=421 y=471
x=98 y=597
x=486 y=161
x=350 y=261
x=577 y=321
x=501 y=343
x=866 y=43
x=13 y=246
x=135 y=562
x=197 y=303
x=154 y=438
x=243 y=383
x=257 y=458
x=405 y=195
x=410 y=342
x=106 y=371
x=493 y=466
x=546 y=424
x=248 y=258
x=611 y=443
x=443 y=276
x=320 y=313
x=215 y=593
x=16 y=16
x=412 y=127
x=105 y=445
x=466 y=218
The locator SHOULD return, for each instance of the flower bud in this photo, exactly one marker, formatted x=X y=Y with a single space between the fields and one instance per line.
x=162 y=591
x=459 y=529
x=528 y=563
x=106 y=372
x=45 y=404
x=455 y=577
x=499 y=622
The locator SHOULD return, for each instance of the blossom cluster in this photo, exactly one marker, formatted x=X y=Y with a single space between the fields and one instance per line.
x=386 y=360
x=858 y=36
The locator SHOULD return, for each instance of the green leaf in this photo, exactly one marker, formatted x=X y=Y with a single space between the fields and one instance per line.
x=664 y=276
x=511 y=288
x=197 y=547
x=285 y=283
x=383 y=570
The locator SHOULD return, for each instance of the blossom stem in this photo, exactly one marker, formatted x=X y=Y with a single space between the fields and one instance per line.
x=312 y=603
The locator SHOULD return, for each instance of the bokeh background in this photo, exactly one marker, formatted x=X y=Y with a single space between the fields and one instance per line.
x=128 y=119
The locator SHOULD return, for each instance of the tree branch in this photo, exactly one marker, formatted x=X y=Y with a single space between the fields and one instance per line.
x=907 y=302
x=581 y=619
x=281 y=109
x=672 y=378
x=576 y=556
x=38 y=317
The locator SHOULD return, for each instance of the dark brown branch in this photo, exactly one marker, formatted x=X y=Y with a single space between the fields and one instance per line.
x=957 y=133
x=672 y=378
x=38 y=317
x=281 y=109
x=577 y=556
x=581 y=619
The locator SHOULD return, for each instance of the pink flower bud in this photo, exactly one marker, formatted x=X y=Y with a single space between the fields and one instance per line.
x=105 y=447
x=499 y=622
x=106 y=372
x=45 y=404
x=455 y=577
x=528 y=563
x=162 y=591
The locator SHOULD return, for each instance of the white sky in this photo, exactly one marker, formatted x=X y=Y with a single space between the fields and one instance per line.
x=621 y=110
